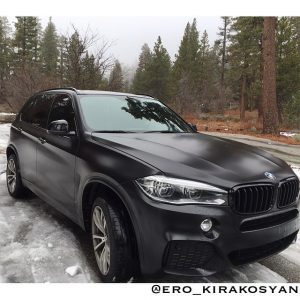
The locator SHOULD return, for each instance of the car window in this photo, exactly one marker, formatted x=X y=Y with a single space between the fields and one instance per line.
x=62 y=109
x=36 y=110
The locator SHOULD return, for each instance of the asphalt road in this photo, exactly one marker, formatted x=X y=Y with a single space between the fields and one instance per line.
x=289 y=153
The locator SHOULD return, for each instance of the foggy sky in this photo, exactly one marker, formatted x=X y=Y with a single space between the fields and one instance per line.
x=129 y=33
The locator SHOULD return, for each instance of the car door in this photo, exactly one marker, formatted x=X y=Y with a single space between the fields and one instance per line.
x=32 y=122
x=56 y=157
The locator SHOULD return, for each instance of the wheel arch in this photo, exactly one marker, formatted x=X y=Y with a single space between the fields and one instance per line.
x=112 y=190
x=11 y=149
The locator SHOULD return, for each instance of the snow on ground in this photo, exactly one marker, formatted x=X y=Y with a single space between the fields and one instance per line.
x=287 y=134
x=73 y=270
x=293 y=253
x=38 y=244
x=27 y=228
x=296 y=170
x=4 y=135
x=6 y=114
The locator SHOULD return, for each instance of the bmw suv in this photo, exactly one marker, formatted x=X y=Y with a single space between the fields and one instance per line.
x=154 y=195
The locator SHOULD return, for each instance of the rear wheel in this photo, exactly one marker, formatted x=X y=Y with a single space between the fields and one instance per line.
x=13 y=178
x=111 y=242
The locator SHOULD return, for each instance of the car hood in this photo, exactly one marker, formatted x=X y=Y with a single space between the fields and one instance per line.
x=199 y=157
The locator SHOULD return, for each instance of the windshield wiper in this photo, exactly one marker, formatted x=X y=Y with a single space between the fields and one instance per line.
x=128 y=131
x=161 y=131
x=113 y=131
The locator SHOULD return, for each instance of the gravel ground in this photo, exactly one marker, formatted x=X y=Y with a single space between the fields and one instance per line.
x=38 y=244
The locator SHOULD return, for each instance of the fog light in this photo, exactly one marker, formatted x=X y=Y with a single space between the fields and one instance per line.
x=206 y=225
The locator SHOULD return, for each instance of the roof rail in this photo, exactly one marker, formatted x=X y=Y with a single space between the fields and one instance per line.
x=61 y=88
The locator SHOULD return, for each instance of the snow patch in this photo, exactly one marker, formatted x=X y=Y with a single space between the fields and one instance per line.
x=287 y=134
x=6 y=114
x=296 y=170
x=73 y=270
x=4 y=135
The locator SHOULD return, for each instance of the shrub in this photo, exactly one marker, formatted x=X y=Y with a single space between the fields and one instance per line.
x=292 y=112
x=297 y=137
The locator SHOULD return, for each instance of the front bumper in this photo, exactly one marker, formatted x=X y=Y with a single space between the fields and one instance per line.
x=170 y=239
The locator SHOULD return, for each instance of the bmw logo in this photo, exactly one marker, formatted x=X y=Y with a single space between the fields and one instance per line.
x=270 y=175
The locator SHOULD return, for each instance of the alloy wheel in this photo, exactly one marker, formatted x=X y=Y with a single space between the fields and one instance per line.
x=11 y=176
x=101 y=240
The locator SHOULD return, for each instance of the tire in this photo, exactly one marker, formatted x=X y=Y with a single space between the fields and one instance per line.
x=114 y=245
x=13 y=178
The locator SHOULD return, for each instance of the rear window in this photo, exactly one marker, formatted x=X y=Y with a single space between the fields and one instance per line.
x=36 y=110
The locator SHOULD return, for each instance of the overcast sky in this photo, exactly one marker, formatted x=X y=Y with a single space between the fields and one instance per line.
x=129 y=33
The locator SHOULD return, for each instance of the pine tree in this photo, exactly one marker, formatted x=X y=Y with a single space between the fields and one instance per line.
x=78 y=67
x=186 y=70
x=245 y=56
x=288 y=61
x=270 y=108
x=26 y=40
x=182 y=58
x=26 y=75
x=160 y=72
x=141 y=77
x=5 y=49
x=203 y=62
x=186 y=59
x=116 y=80
x=91 y=77
x=49 y=49
x=193 y=50
x=223 y=41
x=75 y=50
x=5 y=58
x=62 y=60
x=208 y=76
x=296 y=24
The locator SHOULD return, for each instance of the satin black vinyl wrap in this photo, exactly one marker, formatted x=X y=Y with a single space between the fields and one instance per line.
x=170 y=238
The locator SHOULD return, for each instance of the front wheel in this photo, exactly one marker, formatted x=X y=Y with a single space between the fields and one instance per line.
x=111 y=242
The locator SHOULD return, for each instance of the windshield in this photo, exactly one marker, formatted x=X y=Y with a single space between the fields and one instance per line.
x=114 y=113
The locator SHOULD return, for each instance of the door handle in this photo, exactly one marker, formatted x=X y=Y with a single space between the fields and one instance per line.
x=42 y=140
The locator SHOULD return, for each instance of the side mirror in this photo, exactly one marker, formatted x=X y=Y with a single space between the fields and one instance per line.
x=194 y=127
x=59 y=127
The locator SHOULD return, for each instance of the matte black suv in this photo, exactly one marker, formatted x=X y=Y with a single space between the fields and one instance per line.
x=154 y=194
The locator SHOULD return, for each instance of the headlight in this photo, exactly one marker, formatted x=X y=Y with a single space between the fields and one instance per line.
x=179 y=191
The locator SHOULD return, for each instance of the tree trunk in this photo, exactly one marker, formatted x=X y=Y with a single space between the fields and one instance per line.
x=222 y=81
x=269 y=107
x=243 y=100
x=261 y=70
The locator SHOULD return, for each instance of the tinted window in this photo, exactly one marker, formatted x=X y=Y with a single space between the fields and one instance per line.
x=36 y=110
x=122 y=113
x=62 y=109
